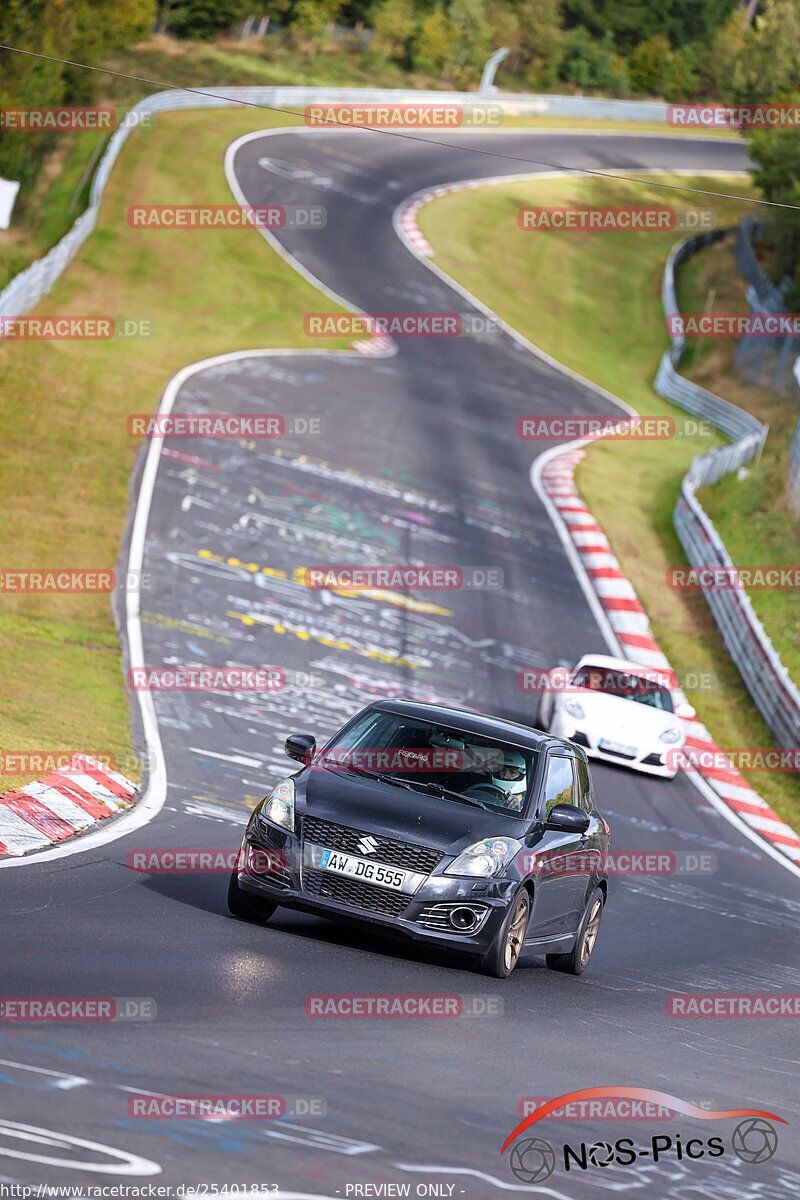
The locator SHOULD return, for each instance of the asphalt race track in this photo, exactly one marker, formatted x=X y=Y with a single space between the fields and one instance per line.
x=417 y=462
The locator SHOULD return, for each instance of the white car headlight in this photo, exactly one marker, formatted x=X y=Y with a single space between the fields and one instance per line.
x=672 y=734
x=485 y=858
x=574 y=709
x=278 y=805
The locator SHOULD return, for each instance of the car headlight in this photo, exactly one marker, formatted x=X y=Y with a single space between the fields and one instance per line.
x=671 y=735
x=574 y=709
x=485 y=858
x=278 y=805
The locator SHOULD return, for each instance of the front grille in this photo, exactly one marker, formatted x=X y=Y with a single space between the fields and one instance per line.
x=437 y=916
x=354 y=894
x=396 y=854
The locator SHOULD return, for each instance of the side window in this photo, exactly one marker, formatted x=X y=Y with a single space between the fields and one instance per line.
x=585 y=790
x=559 y=785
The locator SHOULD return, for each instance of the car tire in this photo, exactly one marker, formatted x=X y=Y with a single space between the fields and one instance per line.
x=504 y=952
x=577 y=960
x=245 y=905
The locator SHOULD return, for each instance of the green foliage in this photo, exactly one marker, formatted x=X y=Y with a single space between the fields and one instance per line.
x=83 y=30
x=776 y=153
x=632 y=21
x=395 y=24
x=201 y=19
x=541 y=40
x=432 y=45
x=592 y=65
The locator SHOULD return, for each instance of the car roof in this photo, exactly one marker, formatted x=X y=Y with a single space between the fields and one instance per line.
x=479 y=723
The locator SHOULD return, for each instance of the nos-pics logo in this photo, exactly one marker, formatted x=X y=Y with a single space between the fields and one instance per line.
x=533 y=1159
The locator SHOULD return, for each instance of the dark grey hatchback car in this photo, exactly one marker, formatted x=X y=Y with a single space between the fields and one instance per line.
x=461 y=830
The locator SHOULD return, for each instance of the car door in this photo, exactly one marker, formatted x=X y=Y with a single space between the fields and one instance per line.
x=558 y=862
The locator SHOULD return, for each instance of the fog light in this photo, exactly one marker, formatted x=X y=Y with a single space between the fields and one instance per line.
x=463 y=919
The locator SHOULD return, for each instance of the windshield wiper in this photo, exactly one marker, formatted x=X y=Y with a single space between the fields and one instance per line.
x=439 y=789
x=378 y=775
x=430 y=786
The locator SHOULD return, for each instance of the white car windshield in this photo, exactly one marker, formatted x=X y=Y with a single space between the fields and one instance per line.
x=625 y=684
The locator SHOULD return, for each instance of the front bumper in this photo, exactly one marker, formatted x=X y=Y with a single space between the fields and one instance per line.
x=291 y=874
x=645 y=759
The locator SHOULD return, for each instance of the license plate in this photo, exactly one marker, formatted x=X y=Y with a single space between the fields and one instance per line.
x=617 y=747
x=362 y=868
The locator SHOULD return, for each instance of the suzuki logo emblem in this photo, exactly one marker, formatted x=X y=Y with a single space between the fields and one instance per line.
x=367 y=845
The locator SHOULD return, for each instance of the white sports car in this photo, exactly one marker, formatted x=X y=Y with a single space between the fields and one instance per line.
x=621 y=712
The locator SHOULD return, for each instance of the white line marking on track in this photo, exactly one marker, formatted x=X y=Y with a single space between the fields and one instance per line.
x=125 y=1164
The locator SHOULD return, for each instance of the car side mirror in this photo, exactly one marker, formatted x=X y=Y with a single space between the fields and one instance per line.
x=568 y=818
x=685 y=712
x=301 y=746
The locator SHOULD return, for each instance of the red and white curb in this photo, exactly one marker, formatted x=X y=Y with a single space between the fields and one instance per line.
x=63 y=803
x=631 y=628
x=377 y=347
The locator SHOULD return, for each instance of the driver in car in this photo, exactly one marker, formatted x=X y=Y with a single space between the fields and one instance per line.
x=508 y=778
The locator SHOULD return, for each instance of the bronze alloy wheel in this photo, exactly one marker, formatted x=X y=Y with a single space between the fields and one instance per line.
x=515 y=933
x=590 y=932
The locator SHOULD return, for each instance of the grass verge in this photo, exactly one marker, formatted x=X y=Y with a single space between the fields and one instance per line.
x=593 y=302
x=751 y=513
x=67 y=457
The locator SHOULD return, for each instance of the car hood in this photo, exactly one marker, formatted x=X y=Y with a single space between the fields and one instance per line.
x=395 y=812
x=614 y=717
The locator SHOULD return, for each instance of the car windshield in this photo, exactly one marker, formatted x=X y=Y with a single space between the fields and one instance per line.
x=625 y=684
x=436 y=759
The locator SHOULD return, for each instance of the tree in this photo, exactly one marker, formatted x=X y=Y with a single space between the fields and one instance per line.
x=469 y=40
x=432 y=43
x=201 y=20
x=767 y=64
x=632 y=21
x=394 y=23
x=776 y=153
x=542 y=40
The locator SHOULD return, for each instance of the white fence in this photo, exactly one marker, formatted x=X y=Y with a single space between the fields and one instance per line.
x=745 y=638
